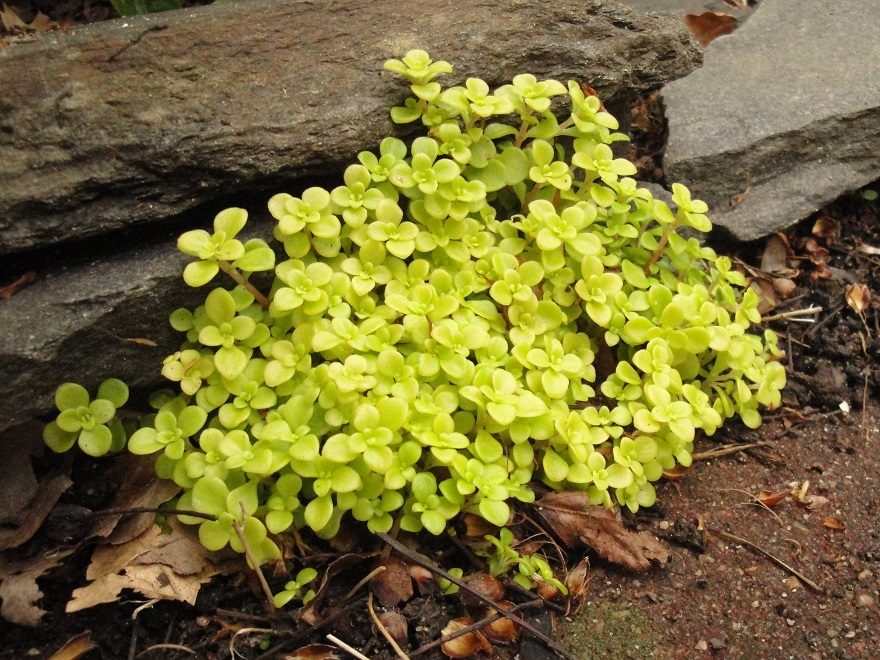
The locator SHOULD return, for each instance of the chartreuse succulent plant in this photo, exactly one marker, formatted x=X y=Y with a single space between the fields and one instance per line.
x=493 y=304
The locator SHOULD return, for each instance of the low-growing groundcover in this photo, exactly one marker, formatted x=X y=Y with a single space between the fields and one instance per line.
x=496 y=304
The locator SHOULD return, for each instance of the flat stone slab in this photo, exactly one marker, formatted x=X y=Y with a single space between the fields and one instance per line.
x=135 y=120
x=783 y=117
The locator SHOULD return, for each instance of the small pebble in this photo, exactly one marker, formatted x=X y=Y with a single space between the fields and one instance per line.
x=865 y=575
x=663 y=524
x=702 y=645
x=864 y=600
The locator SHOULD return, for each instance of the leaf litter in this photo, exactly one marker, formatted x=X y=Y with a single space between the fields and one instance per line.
x=577 y=522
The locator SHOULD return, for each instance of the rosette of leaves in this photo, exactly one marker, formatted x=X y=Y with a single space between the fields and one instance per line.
x=91 y=424
x=495 y=303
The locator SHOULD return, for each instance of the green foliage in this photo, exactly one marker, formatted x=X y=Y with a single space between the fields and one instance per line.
x=496 y=304
x=91 y=424
x=529 y=570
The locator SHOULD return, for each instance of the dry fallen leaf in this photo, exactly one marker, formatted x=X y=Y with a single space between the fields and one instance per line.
x=311 y=612
x=12 y=22
x=576 y=521
x=11 y=289
x=466 y=645
x=75 y=647
x=784 y=286
x=827 y=228
x=834 y=523
x=769 y=299
x=868 y=249
x=503 y=630
x=396 y=625
x=477 y=527
x=858 y=296
x=24 y=502
x=394 y=584
x=315 y=652
x=675 y=473
x=776 y=253
x=139 y=488
x=483 y=584
x=710 y=25
x=164 y=566
x=769 y=498
x=19 y=590
x=578 y=581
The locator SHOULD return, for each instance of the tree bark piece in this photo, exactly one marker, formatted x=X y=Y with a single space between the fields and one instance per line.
x=136 y=120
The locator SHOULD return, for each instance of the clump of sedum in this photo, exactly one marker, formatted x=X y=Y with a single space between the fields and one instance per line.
x=494 y=304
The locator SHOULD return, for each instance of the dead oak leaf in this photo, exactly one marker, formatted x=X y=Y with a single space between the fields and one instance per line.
x=710 y=25
x=12 y=22
x=576 y=522
x=164 y=566
x=75 y=647
x=19 y=590
x=25 y=502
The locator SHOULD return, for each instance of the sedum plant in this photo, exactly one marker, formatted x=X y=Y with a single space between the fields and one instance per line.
x=494 y=304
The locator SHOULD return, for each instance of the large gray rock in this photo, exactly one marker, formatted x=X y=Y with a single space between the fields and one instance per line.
x=134 y=120
x=84 y=324
x=783 y=117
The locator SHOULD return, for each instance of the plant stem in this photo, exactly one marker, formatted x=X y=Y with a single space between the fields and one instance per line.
x=236 y=275
x=382 y=629
x=250 y=555
x=658 y=251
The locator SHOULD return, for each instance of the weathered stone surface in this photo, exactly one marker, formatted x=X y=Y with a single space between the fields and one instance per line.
x=132 y=120
x=89 y=323
x=783 y=117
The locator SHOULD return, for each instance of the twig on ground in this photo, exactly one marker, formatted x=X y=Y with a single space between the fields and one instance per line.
x=755 y=502
x=137 y=510
x=479 y=563
x=369 y=576
x=776 y=560
x=132 y=645
x=425 y=563
x=382 y=629
x=244 y=631
x=794 y=315
x=726 y=450
x=236 y=526
x=822 y=323
x=345 y=647
x=472 y=627
x=166 y=647
x=312 y=629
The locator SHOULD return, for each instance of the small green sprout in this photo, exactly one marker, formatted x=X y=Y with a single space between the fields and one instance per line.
x=293 y=590
x=91 y=424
